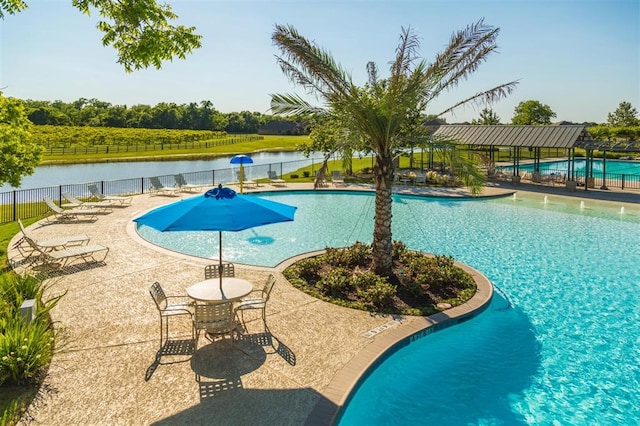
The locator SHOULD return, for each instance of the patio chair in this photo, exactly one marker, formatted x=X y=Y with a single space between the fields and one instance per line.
x=72 y=215
x=245 y=182
x=336 y=178
x=213 y=271
x=113 y=199
x=48 y=244
x=159 y=189
x=421 y=179
x=168 y=307
x=57 y=259
x=216 y=319
x=182 y=184
x=73 y=202
x=274 y=180
x=257 y=302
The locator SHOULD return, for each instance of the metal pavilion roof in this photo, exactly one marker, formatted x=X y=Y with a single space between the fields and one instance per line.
x=551 y=136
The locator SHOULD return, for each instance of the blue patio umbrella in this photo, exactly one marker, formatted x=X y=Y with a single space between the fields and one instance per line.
x=242 y=160
x=219 y=209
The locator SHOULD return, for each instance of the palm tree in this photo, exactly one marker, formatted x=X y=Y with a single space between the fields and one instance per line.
x=383 y=111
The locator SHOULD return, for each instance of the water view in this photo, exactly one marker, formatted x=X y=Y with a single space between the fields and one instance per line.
x=81 y=173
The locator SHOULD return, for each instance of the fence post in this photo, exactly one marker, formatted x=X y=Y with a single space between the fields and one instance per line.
x=15 y=206
x=623 y=181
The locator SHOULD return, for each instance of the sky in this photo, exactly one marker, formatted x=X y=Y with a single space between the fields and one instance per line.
x=579 y=57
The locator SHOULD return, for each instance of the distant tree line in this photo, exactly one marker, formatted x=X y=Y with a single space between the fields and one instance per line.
x=192 y=116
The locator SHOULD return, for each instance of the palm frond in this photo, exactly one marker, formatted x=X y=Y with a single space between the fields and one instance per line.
x=303 y=58
x=486 y=97
x=292 y=104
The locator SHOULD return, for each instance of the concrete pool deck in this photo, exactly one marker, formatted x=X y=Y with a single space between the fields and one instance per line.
x=106 y=370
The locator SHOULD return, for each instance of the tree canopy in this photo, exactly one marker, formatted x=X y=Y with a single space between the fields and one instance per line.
x=487 y=117
x=624 y=116
x=141 y=31
x=18 y=155
x=532 y=112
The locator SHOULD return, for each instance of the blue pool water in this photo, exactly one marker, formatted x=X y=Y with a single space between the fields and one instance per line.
x=567 y=352
x=613 y=167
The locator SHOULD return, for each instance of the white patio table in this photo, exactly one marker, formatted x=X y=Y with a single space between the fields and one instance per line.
x=209 y=290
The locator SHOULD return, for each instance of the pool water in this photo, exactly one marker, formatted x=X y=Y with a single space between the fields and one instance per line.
x=566 y=352
x=613 y=167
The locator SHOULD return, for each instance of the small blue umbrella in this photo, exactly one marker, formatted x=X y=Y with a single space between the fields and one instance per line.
x=219 y=209
x=242 y=160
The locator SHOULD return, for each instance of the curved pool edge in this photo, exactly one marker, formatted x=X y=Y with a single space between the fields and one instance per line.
x=345 y=382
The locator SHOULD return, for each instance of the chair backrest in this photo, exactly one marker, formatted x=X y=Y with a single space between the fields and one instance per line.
x=180 y=180
x=155 y=182
x=266 y=290
x=93 y=188
x=336 y=175
x=52 y=205
x=213 y=271
x=214 y=316
x=158 y=295
x=272 y=174
x=70 y=198
x=22 y=228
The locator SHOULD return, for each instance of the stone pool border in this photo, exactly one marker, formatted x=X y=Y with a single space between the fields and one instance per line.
x=346 y=381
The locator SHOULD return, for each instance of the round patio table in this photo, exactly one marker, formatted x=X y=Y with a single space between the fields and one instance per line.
x=209 y=290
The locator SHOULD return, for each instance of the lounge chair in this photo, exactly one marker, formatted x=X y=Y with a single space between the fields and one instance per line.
x=78 y=214
x=336 y=178
x=47 y=244
x=61 y=258
x=245 y=182
x=182 y=184
x=159 y=189
x=73 y=202
x=113 y=199
x=274 y=180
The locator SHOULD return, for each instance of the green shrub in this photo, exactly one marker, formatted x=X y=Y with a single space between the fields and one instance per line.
x=335 y=283
x=373 y=289
x=294 y=176
x=25 y=348
x=306 y=173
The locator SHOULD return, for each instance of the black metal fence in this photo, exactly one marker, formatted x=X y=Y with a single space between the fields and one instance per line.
x=114 y=149
x=26 y=203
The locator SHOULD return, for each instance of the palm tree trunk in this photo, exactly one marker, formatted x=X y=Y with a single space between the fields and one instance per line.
x=382 y=239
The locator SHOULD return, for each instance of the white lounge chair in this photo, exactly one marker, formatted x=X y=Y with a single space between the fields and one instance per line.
x=182 y=184
x=61 y=258
x=47 y=244
x=159 y=189
x=115 y=200
x=274 y=180
x=73 y=202
x=72 y=215
x=336 y=178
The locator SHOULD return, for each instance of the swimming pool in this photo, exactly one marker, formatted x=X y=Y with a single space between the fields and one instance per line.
x=566 y=353
x=615 y=167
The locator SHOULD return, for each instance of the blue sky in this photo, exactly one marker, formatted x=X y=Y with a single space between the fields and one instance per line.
x=582 y=58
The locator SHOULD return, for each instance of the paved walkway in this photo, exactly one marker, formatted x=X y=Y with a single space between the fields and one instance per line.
x=105 y=370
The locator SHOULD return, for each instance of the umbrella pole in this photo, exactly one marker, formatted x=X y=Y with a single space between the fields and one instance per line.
x=220 y=267
x=241 y=176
